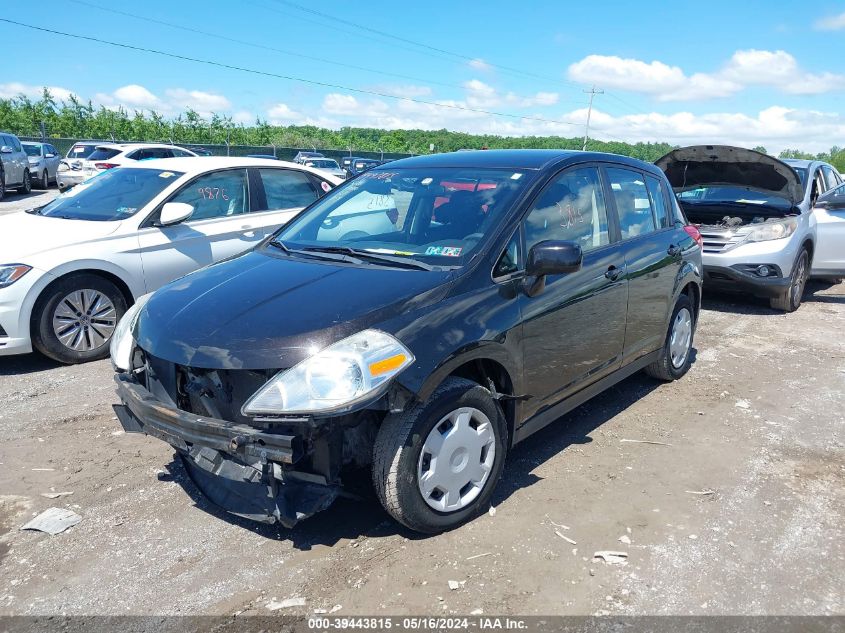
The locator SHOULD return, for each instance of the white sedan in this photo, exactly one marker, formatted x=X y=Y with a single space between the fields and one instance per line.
x=70 y=269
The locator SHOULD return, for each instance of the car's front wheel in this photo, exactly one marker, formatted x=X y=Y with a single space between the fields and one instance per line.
x=26 y=187
x=74 y=319
x=45 y=180
x=436 y=465
x=790 y=301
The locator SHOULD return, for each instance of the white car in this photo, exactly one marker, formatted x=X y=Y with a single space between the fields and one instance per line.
x=110 y=155
x=70 y=269
x=328 y=165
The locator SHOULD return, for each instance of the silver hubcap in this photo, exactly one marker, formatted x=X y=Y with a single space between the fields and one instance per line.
x=799 y=280
x=84 y=320
x=681 y=337
x=456 y=460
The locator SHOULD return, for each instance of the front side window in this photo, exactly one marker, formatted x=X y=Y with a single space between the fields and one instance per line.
x=113 y=195
x=830 y=177
x=632 y=202
x=570 y=208
x=438 y=215
x=216 y=195
x=287 y=189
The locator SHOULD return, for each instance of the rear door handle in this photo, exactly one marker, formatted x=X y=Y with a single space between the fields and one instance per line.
x=613 y=272
x=674 y=250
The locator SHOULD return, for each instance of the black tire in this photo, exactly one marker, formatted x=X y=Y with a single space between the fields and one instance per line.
x=45 y=181
x=2 y=184
x=44 y=338
x=790 y=300
x=397 y=449
x=26 y=187
x=664 y=368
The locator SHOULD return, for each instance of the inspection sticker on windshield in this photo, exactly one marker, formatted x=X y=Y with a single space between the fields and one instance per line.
x=444 y=251
x=166 y=174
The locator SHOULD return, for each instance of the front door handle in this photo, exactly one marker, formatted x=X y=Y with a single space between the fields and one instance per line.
x=674 y=250
x=613 y=272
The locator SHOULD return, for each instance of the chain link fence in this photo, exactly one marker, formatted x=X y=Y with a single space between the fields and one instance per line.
x=282 y=153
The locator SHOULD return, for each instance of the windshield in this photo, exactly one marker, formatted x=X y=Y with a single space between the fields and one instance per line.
x=113 y=195
x=81 y=151
x=728 y=194
x=322 y=164
x=438 y=216
x=32 y=150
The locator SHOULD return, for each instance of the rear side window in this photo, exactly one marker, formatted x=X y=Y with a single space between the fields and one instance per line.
x=571 y=207
x=632 y=202
x=103 y=153
x=15 y=143
x=658 y=201
x=216 y=195
x=287 y=189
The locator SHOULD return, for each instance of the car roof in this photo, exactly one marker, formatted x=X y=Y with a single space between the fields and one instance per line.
x=192 y=165
x=801 y=162
x=125 y=147
x=33 y=143
x=535 y=159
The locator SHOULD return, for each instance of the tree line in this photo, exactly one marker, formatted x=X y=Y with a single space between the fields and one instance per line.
x=82 y=120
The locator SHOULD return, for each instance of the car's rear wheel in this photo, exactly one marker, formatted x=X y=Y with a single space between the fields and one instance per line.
x=75 y=318
x=26 y=187
x=790 y=301
x=675 y=356
x=436 y=465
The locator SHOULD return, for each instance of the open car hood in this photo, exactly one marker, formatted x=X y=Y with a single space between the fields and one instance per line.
x=714 y=165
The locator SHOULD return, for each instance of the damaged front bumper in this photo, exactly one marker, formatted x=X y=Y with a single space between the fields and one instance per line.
x=240 y=468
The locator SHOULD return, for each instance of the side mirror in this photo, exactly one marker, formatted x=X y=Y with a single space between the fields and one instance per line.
x=49 y=155
x=174 y=213
x=550 y=257
x=5 y=150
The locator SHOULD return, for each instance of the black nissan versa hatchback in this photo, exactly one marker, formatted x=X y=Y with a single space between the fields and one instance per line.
x=418 y=320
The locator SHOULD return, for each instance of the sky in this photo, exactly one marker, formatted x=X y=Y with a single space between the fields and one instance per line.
x=745 y=73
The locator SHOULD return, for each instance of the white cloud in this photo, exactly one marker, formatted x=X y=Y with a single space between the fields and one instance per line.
x=543 y=99
x=203 y=102
x=16 y=89
x=667 y=83
x=831 y=23
x=777 y=69
x=244 y=116
x=282 y=114
x=479 y=64
x=136 y=96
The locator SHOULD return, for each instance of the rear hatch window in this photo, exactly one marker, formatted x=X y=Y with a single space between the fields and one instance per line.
x=103 y=153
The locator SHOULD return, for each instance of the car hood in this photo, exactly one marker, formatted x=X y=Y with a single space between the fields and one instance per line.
x=268 y=311
x=26 y=235
x=714 y=165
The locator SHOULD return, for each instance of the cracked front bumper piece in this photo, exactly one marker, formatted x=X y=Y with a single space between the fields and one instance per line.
x=238 y=467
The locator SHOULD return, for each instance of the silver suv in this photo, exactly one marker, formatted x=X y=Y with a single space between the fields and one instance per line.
x=14 y=165
x=755 y=214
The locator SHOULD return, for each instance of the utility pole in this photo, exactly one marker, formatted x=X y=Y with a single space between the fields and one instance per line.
x=592 y=92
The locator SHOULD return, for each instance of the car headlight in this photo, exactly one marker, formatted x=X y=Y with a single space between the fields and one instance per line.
x=10 y=273
x=772 y=230
x=336 y=378
x=122 y=342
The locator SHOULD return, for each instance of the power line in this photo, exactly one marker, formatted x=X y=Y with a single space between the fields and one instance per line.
x=280 y=76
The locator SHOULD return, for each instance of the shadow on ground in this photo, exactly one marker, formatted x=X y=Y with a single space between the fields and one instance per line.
x=349 y=518
x=26 y=364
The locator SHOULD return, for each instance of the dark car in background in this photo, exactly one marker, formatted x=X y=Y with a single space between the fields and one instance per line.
x=360 y=165
x=418 y=321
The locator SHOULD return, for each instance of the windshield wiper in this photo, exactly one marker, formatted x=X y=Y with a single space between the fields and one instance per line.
x=403 y=262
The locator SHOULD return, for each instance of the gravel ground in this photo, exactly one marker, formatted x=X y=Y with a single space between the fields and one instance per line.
x=741 y=513
x=14 y=201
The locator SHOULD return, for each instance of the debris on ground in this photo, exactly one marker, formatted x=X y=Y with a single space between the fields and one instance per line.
x=477 y=612
x=700 y=492
x=56 y=495
x=274 y=605
x=646 y=442
x=558 y=525
x=492 y=511
x=454 y=585
x=625 y=539
x=479 y=556
x=565 y=538
x=53 y=521
x=612 y=558
x=742 y=404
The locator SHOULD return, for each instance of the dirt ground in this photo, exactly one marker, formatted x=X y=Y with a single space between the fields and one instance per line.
x=758 y=421
x=14 y=201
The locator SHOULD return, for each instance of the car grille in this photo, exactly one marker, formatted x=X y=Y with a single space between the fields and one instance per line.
x=718 y=241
